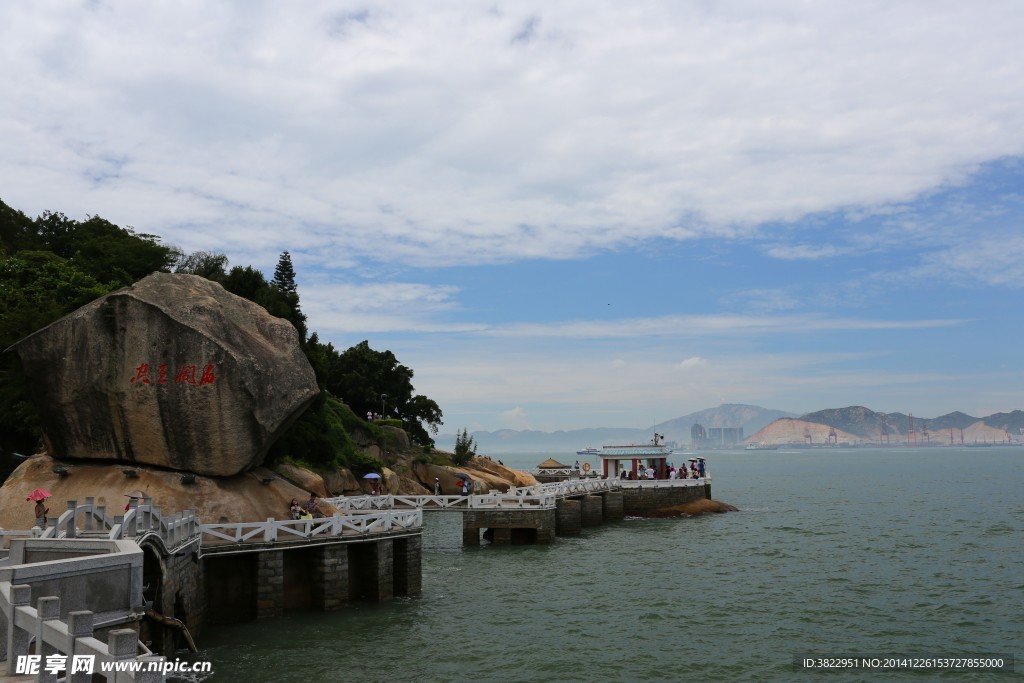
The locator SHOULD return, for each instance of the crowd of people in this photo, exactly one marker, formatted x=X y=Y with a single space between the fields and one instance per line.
x=696 y=470
x=307 y=510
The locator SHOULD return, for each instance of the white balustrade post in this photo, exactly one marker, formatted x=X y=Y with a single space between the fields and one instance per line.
x=69 y=531
x=90 y=502
x=80 y=625
x=270 y=533
x=17 y=638
x=47 y=609
x=122 y=644
x=147 y=676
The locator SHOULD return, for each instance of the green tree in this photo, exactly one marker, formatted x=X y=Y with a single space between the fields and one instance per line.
x=207 y=264
x=282 y=298
x=465 y=448
x=36 y=288
x=361 y=376
x=284 y=274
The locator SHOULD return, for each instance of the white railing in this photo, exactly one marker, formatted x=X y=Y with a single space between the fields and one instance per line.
x=562 y=472
x=274 y=530
x=663 y=483
x=141 y=519
x=539 y=495
x=75 y=638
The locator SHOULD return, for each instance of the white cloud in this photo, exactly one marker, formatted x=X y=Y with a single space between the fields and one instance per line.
x=444 y=133
x=693 y=363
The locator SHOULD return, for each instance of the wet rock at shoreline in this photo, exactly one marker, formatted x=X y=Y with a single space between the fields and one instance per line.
x=701 y=506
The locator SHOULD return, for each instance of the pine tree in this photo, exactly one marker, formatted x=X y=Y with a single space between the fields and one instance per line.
x=284 y=274
x=288 y=292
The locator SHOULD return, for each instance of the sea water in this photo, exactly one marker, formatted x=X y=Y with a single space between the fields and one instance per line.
x=868 y=552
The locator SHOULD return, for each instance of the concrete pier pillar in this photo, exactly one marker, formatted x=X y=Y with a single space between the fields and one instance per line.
x=593 y=513
x=613 y=510
x=470 y=528
x=707 y=491
x=330 y=577
x=408 y=566
x=371 y=569
x=568 y=519
x=269 y=584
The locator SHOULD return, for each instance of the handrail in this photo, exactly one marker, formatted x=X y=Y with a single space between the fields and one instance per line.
x=274 y=530
x=76 y=637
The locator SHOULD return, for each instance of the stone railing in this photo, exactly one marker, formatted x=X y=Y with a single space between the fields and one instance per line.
x=142 y=520
x=274 y=530
x=71 y=644
x=569 y=487
x=663 y=483
x=100 y=583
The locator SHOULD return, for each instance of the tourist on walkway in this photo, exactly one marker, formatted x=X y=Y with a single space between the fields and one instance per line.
x=41 y=511
x=465 y=487
x=437 y=486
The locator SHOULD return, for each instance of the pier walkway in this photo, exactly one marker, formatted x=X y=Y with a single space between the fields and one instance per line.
x=539 y=496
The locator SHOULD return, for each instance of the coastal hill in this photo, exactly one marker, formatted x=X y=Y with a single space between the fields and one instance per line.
x=853 y=424
x=868 y=424
x=751 y=418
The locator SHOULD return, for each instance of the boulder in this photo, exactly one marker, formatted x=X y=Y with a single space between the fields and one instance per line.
x=173 y=371
x=517 y=478
x=253 y=496
x=342 y=482
x=311 y=482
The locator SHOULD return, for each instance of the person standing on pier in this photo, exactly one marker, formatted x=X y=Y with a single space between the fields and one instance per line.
x=437 y=486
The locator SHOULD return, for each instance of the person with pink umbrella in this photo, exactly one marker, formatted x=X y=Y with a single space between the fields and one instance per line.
x=40 y=496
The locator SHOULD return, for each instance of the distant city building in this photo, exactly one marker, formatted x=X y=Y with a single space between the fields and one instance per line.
x=697 y=436
x=723 y=437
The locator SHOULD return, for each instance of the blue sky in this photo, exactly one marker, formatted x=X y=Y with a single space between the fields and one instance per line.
x=569 y=214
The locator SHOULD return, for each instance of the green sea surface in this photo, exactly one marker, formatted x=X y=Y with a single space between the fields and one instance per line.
x=867 y=552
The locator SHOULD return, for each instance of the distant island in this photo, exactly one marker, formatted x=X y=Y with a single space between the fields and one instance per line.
x=754 y=424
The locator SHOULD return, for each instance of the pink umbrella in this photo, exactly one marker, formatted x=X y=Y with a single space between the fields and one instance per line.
x=39 y=494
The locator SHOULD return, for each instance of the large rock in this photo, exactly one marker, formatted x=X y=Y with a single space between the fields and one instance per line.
x=253 y=496
x=173 y=371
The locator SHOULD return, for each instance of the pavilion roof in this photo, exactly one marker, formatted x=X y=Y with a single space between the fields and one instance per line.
x=551 y=464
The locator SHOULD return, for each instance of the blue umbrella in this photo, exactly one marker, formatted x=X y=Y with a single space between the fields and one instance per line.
x=371 y=475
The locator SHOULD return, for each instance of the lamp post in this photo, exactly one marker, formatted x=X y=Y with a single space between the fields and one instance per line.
x=383 y=397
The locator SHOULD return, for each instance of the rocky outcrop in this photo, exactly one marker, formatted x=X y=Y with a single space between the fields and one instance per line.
x=788 y=430
x=251 y=497
x=173 y=371
x=487 y=476
x=701 y=506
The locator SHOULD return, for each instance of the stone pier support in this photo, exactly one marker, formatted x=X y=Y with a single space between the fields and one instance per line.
x=408 y=566
x=371 y=569
x=568 y=518
x=521 y=526
x=593 y=513
x=613 y=510
x=707 y=491
x=269 y=584
x=330 y=577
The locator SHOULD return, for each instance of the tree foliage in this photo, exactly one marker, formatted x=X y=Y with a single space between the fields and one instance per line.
x=371 y=381
x=206 y=264
x=49 y=266
x=465 y=448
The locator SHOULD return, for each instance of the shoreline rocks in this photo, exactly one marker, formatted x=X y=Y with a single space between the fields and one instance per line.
x=693 y=508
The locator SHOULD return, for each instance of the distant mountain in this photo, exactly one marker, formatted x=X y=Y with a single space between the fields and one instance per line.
x=750 y=418
x=1011 y=422
x=867 y=424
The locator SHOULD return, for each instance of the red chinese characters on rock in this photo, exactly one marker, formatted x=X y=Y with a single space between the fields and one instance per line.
x=183 y=374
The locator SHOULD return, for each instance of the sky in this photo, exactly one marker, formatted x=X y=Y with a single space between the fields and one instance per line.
x=569 y=214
